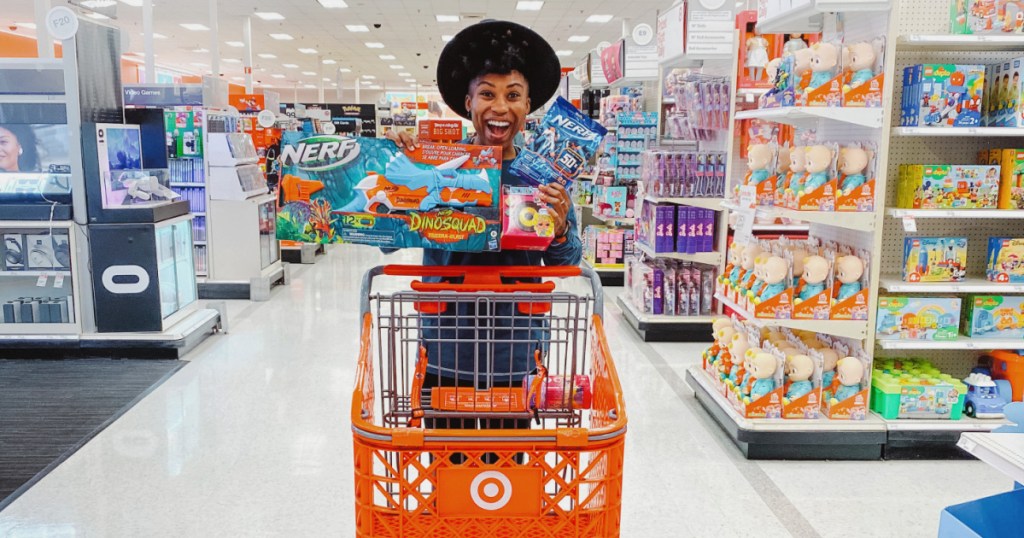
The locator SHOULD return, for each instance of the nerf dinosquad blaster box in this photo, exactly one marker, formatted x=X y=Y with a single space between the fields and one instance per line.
x=365 y=190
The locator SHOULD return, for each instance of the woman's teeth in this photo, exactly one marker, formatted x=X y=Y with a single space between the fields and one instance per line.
x=498 y=124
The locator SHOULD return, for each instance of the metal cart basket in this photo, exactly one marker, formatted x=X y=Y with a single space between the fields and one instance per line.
x=493 y=408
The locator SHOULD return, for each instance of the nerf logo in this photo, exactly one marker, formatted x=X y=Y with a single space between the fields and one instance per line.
x=322 y=152
x=567 y=123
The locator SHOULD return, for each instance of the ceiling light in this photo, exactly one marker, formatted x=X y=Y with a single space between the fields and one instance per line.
x=374 y=45
x=309 y=73
x=356 y=28
x=325 y=79
x=269 y=15
x=579 y=38
x=277 y=75
x=369 y=77
x=133 y=3
x=367 y=82
x=97 y=16
x=599 y=18
x=200 y=50
x=94 y=4
x=289 y=66
x=329 y=62
x=194 y=26
x=236 y=44
x=307 y=50
x=563 y=52
x=524 y=5
x=310 y=86
x=405 y=74
x=282 y=37
x=334 y=84
x=231 y=60
x=447 y=18
x=331 y=4
x=397 y=66
x=157 y=35
x=237 y=78
x=266 y=55
x=447 y=37
x=374 y=87
x=29 y=25
x=410 y=80
x=344 y=70
x=387 y=56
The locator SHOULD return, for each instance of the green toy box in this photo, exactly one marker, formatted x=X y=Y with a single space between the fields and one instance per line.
x=911 y=388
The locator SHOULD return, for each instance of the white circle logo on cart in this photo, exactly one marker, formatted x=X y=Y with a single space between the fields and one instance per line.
x=491 y=490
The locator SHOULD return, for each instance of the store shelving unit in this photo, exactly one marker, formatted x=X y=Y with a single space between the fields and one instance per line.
x=856 y=329
x=616 y=221
x=963 y=342
x=861 y=222
x=709 y=258
x=985 y=132
x=957 y=214
x=895 y=284
x=808 y=117
x=663 y=328
x=706 y=203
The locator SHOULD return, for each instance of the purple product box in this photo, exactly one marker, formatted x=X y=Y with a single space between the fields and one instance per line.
x=693 y=232
x=658 y=227
x=708 y=241
x=670 y=228
x=658 y=304
x=681 y=228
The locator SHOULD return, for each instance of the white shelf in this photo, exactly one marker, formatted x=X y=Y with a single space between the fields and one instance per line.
x=807 y=17
x=36 y=224
x=956 y=213
x=199 y=213
x=36 y=273
x=33 y=331
x=856 y=329
x=781 y=228
x=964 y=424
x=958 y=131
x=654 y=319
x=601 y=268
x=615 y=221
x=864 y=222
x=808 y=117
x=962 y=342
x=709 y=258
x=198 y=242
x=706 y=203
x=946 y=42
x=895 y=284
x=1004 y=451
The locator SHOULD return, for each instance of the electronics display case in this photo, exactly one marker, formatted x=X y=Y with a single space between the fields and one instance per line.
x=38 y=289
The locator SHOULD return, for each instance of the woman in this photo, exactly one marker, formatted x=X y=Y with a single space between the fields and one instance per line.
x=17 y=149
x=495 y=73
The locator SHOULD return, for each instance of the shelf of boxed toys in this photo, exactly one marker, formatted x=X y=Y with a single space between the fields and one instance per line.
x=627 y=306
x=963 y=424
x=615 y=221
x=706 y=203
x=856 y=329
x=807 y=16
x=895 y=284
x=955 y=213
x=963 y=42
x=805 y=117
x=962 y=342
x=850 y=221
x=1004 y=451
x=985 y=132
x=709 y=258
x=801 y=229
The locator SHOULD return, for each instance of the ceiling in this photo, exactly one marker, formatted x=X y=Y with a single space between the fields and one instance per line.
x=409 y=31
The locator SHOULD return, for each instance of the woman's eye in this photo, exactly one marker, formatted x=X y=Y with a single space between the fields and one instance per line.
x=513 y=95
x=486 y=94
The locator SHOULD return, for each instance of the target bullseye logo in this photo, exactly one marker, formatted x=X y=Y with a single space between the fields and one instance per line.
x=491 y=490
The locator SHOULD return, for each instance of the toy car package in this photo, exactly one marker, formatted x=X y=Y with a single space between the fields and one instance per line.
x=365 y=190
x=565 y=142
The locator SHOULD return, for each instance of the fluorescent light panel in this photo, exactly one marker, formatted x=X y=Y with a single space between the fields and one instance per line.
x=387 y=56
x=267 y=55
x=309 y=73
x=269 y=15
x=524 y=5
x=397 y=66
x=332 y=4
x=289 y=66
x=307 y=50
x=97 y=16
x=194 y=26
x=277 y=75
x=236 y=44
x=579 y=38
x=447 y=18
x=374 y=45
x=563 y=52
x=344 y=70
x=282 y=37
x=133 y=3
x=405 y=74
x=231 y=60
x=329 y=62
x=447 y=37
x=356 y=28
x=601 y=19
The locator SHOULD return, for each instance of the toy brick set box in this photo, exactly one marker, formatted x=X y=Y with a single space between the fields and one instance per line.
x=942 y=95
x=366 y=190
x=994 y=316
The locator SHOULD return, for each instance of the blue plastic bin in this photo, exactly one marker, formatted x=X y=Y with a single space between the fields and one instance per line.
x=991 y=517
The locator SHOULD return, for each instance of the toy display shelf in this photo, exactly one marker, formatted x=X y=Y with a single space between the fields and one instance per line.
x=856 y=329
x=305 y=253
x=709 y=258
x=610 y=274
x=807 y=17
x=895 y=284
x=615 y=221
x=864 y=222
x=780 y=228
x=706 y=203
x=955 y=213
x=53 y=334
x=664 y=328
x=805 y=117
x=760 y=438
x=985 y=132
x=1004 y=451
x=962 y=342
x=948 y=42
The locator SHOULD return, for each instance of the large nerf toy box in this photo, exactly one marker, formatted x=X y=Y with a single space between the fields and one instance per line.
x=942 y=95
x=366 y=190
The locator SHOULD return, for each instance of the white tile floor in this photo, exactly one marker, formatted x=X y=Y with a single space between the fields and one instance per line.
x=252 y=439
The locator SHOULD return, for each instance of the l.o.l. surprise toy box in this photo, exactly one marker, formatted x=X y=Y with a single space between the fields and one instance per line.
x=527 y=223
x=366 y=190
x=994 y=316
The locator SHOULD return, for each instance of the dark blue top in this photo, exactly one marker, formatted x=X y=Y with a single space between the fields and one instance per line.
x=508 y=361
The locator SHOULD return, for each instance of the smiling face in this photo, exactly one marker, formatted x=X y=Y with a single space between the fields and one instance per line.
x=498 y=105
x=10 y=149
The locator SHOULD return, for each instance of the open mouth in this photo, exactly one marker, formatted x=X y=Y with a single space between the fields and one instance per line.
x=498 y=129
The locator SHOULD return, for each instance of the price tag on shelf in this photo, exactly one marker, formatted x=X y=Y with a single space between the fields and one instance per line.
x=41 y=281
x=745 y=214
x=58 y=281
x=909 y=224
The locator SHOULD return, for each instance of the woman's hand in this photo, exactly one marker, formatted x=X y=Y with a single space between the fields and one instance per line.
x=403 y=139
x=557 y=199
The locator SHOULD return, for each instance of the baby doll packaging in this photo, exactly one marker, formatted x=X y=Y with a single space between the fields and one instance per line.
x=824 y=87
x=758 y=393
x=863 y=73
x=856 y=182
x=846 y=398
x=801 y=391
x=817 y=191
x=812 y=291
x=850 y=288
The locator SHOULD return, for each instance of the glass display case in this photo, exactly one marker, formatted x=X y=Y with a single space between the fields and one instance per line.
x=174 y=267
x=269 y=247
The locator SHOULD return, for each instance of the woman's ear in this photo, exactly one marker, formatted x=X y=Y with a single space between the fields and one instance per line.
x=469 y=101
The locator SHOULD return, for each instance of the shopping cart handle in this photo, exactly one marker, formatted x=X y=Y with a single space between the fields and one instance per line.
x=542 y=287
x=484 y=273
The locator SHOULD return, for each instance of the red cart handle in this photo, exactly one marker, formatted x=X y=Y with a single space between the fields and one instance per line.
x=477 y=278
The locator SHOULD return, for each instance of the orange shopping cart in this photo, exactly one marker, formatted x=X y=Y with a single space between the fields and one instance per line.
x=457 y=433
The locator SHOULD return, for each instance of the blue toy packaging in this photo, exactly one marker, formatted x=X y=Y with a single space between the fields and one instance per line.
x=934 y=259
x=365 y=190
x=942 y=95
x=1005 y=260
x=918 y=318
x=994 y=316
x=565 y=142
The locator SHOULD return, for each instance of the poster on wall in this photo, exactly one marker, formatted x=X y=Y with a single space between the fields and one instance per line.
x=611 y=62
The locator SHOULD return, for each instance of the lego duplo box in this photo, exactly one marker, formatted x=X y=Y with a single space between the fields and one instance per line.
x=367 y=191
x=942 y=95
x=934 y=259
x=1005 y=257
x=994 y=316
x=918 y=318
x=1011 y=177
x=1006 y=89
x=945 y=186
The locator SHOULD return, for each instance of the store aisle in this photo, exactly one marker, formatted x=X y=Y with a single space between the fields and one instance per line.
x=252 y=438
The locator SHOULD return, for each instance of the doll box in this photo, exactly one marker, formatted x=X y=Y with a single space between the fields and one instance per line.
x=816 y=307
x=934 y=259
x=918 y=318
x=853 y=408
x=778 y=307
x=854 y=307
x=994 y=316
x=821 y=199
x=860 y=199
x=440 y=196
x=1005 y=257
